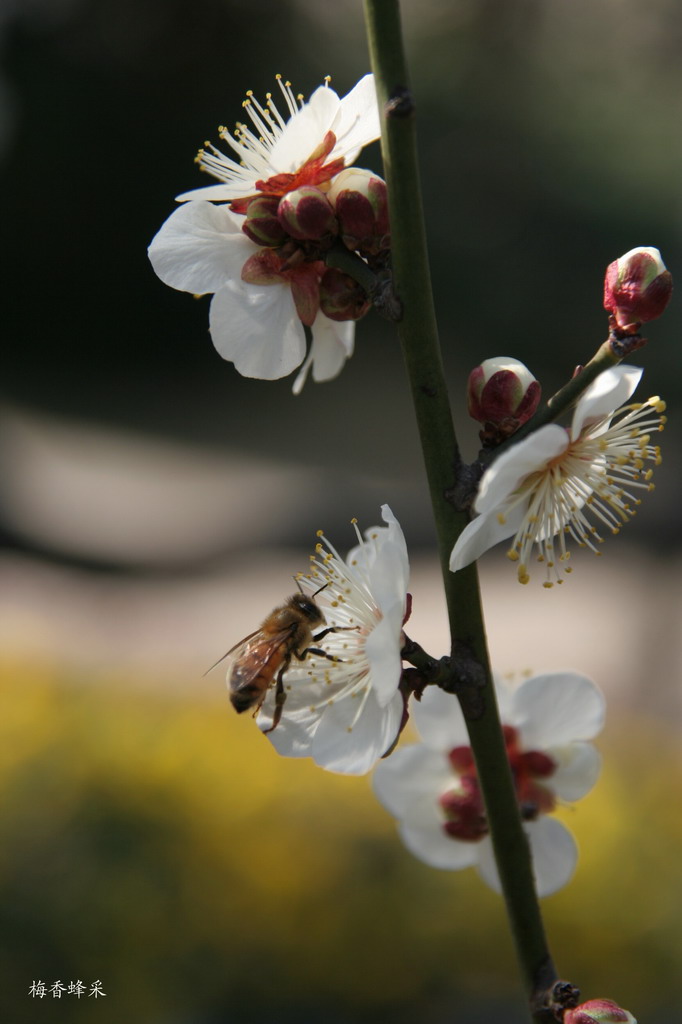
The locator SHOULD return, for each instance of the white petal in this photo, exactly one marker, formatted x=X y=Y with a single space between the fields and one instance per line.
x=410 y=774
x=305 y=131
x=293 y=736
x=256 y=328
x=439 y=720
x=363 y=556
x=578 y=767
x=511 y=467
x=387 y=580
x=332 y=345
x=199 y=248
x=557 y=708
x=305 y=702
x=351 y=747
x=487 y=868
x=554 y=854
x=607 y=393
x=504 y=694
x=422 y=832
x=217 y=193
x=357 y=121
x=484 y=533
x=382 y=650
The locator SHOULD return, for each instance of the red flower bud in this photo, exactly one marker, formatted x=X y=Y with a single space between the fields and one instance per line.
x=598 y=1011
x=637 y=287
x=342 y=298
x=306 y=215
x=502 y=392
x=261 y=224
x=360 y=201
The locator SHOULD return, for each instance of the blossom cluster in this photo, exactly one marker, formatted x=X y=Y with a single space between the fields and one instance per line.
x=258 y=239
x=345 y=707
x=268 y=241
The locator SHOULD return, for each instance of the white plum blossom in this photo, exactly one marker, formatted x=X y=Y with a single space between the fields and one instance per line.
x=346 y=713
x=432 y=787
x=559 y=481
x=288 y=146
x=258 y=312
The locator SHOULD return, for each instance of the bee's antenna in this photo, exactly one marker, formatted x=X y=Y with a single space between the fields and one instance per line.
x=297 y=580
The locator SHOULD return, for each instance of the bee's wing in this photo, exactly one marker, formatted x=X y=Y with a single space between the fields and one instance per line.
x=254 y=655
x=233 y=650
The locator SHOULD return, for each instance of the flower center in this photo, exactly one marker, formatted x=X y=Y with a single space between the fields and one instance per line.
x=462 y=806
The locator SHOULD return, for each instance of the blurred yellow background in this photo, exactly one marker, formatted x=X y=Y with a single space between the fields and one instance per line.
x=154 y=507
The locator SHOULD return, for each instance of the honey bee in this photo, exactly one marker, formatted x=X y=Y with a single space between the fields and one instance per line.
x=264 y=656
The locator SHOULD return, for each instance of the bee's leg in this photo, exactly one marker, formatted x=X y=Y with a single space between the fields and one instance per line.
x=332 y=629
x=280 y=697
x=320 y=653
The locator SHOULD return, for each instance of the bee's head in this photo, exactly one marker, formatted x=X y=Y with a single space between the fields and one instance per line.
x=308 y=606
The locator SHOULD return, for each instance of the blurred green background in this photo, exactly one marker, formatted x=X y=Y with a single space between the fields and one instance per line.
x=154 y=505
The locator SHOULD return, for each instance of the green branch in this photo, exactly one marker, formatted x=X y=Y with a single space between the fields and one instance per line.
x=419 y=338
x=613 y=351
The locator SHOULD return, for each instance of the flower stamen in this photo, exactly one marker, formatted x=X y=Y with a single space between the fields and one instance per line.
x=596 y=474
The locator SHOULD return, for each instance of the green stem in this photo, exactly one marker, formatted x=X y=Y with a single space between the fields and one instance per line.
x=419 y=339
x=606 y=356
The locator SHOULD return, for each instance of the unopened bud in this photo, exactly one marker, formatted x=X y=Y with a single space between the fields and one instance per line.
x=341 y=297
x=264 y=267
x=306 y=215
x=502 y=392
x=598 y=1011
x=637 y=287
x=360 y=201
x=261 y=224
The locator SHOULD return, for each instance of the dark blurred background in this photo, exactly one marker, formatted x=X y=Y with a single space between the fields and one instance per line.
x=154 y=504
